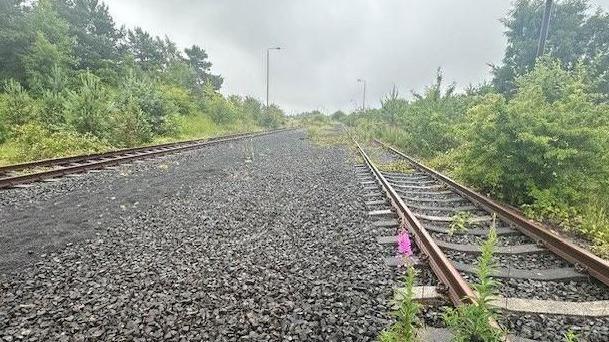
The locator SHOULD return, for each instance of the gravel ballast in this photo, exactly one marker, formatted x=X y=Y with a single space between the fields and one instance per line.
x=261 y=239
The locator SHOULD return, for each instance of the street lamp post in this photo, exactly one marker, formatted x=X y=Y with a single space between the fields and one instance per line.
x=267 y=71
x=545 y=24
x=364 y=95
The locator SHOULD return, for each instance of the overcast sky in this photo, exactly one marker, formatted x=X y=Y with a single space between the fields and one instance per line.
x=327 y=45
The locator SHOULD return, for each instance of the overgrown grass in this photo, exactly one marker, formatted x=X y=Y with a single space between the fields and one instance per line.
x=400 y=166
x=327 y=135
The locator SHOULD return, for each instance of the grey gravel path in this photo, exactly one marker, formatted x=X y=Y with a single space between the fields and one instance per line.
x=265 y=239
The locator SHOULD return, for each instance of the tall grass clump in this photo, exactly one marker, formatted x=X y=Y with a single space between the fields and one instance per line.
x=472 y=322
x=405 y=327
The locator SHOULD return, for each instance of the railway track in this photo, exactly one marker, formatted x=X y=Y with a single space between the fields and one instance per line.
x=50 y=169
x=547 y=286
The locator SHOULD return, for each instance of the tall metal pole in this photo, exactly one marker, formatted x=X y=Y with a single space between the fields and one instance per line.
x=268 y=65
x=267 y=76
x=364 y=97
x=545 y=24
x=364 y=94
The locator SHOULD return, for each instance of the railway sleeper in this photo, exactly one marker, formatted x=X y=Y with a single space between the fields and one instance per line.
x=597 y=308
x=566 y=273
x=473 y=220
x=474 y=249
x=507 y=231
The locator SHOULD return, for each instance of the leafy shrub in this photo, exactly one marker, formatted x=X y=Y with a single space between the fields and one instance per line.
x=179 y=97
x=543 y=142
x=129 y=124
x=272 y=117
x=196 y=126
x=32 y=141
x=153 y=102
x=220 y=111
x=52 y=107
x=88 y=109
x=19 y=107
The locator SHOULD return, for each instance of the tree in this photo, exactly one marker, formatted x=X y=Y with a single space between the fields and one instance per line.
x=339 y=115
x=51 y=45
x=146 y=50
x=574 y=36
x=392 y=105
x=197 y=59
x=13 y=39
x=96 y=36
x=88 y=109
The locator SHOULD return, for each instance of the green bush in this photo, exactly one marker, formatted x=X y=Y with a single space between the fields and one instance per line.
x=545 y=147
x=19 y=107
x=271 y=117
x=180 y=98
x=157 y=105
x=33 y=141
x=129 y=124
x=88 y=109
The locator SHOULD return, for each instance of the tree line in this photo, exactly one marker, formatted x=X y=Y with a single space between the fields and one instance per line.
x=72 y=81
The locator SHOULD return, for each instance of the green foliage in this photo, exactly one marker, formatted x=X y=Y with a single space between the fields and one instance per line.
x=88 y=108
x=540 y=147
x=19 y=107
x=593 y=222
x=576 y=35
x=196 y=126
x=157 y=103
x=460 y=222
x=221 y=111
x=271 y=117
x=471 y=322
x=68 y=72
x=338 y=115
x=14 y=40
x=129 y=123
x=544 y=149
x=96 y=39
x=571 y=336
x=196 y=58
x=33 y=141
x=404 y=329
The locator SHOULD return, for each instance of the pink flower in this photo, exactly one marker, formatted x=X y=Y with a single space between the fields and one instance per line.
x=404 y=245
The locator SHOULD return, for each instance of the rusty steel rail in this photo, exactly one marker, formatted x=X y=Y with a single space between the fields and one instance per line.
x=113 y=153
x=97 y=161
x=459 y=290
x=595 y=266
